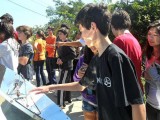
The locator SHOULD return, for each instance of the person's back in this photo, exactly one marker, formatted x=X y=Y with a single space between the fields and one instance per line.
x=40 y=53
x=129 y=44
x=126 y=41
x=9 y=54
x=50 y=41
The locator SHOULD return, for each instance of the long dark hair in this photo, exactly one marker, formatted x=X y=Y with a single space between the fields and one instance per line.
x=7 y=29
x=149 y=49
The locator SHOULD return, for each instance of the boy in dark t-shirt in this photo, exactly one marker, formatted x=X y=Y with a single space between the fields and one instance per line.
x=119 y=95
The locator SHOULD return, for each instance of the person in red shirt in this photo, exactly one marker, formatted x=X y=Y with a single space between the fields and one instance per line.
x=120 y=24
x=50 y=52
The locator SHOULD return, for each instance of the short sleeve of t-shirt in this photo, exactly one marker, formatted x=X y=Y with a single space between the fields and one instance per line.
x=26 y=50
x=125 y=85
x=89 y=78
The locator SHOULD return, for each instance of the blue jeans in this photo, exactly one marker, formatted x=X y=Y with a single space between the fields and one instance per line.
x=39 y=72
x=88 y=107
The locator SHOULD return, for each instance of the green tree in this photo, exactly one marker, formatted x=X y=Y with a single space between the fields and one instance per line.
x=64 y=12
x=141 y=13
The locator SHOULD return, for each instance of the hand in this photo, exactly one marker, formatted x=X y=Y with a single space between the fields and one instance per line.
x=38 y=90
x=82 y=70
x=59 y=61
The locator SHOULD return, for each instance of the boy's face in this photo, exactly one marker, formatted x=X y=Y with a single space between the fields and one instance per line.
x=62 y=36
x=87 y=35
x=50 y=32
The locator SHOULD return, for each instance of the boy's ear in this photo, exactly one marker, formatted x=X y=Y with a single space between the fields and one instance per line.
x=93 y=25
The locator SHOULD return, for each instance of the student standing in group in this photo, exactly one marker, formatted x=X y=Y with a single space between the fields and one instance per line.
x=152 y=71
x=8 y=57
x=9 y=47
x=25 y=52
x=39 y=57
x=66 y=55
x=120 y=25
x=119 y=96
x=89 y=103
x=50 y=54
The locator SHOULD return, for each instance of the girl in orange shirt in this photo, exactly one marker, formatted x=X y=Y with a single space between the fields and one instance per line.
x=39 y=57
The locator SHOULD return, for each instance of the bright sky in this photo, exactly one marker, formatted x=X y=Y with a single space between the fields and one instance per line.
x=21 y=10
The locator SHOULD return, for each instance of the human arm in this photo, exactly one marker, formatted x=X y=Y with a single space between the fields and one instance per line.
x=82 y=70
x=72 y=44
x=138 y=112
x=79 y=73
x=35 y=46
x=74 y=86
x=51 y=45
x=25 y=54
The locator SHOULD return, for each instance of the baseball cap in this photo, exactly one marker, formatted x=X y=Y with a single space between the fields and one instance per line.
x=8 y=17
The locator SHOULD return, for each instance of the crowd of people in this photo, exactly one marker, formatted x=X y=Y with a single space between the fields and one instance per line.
x=107 y=74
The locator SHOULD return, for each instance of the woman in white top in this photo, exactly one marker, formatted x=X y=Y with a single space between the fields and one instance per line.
x=8 y=51
x=9 y=47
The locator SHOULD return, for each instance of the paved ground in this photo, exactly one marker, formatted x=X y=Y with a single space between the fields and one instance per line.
x=74 y=109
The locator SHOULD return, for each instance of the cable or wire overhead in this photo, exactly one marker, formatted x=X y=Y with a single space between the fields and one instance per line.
x=44 y=2
x=26 y=8
x=39 y=3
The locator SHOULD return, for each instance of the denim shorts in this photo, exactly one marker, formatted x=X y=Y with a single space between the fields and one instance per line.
x=88 y=107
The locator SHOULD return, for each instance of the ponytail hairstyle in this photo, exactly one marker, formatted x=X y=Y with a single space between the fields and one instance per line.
x=41 y=34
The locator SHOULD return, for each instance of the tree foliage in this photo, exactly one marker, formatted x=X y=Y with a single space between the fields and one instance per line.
x=141 y=13
x=64 y=12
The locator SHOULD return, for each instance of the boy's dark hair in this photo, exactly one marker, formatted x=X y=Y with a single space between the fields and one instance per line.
x=7 y=29
x=65 y=25
x=120 y=20
x=25 y=29
x=94 y=13
x=50 y=28
x=8 y=18
x=64 y=30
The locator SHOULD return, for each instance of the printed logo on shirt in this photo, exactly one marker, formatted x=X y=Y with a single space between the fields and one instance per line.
x=106 y=81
